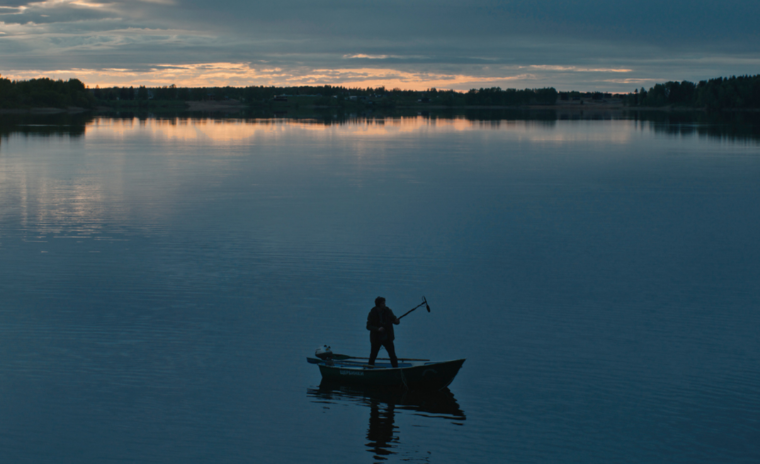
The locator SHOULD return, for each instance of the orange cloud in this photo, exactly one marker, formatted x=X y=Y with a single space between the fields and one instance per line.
x=547 y=67
x=243 y=74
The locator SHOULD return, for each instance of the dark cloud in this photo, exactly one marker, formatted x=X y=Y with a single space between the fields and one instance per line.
x=57 y=15
x=13 y=3
x=644 y=20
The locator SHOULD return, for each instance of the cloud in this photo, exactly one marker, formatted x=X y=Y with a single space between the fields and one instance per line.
x=368 y=57
x=547 y=67
x=13 y=3
x=579 y=44
x=246 y=74
x=55 y=11
x=240 y=74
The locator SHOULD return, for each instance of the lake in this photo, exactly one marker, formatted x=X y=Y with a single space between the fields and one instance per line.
x=163 y=279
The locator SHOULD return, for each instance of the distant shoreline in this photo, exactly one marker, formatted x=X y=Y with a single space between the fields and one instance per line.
x=45 y=110
x=47 y=96
x=234 y=106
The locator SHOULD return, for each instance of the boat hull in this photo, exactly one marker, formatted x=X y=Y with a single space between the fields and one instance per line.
x=429 y=375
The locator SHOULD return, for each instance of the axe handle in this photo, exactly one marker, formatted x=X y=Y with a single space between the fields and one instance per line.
x=424 y=302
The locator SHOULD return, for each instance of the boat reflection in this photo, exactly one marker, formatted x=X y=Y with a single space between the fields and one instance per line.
x=384 y=404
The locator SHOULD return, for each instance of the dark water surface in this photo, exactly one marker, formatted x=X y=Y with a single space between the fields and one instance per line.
x=163 y=280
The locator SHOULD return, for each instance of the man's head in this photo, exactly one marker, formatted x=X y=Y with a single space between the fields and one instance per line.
x=380 y=301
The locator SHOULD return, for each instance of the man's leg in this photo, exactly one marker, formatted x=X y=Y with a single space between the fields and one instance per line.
x=391 y=352
x=373 y=353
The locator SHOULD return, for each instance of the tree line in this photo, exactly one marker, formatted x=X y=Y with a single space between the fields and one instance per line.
x=734 y=92
x=742 y=92
x=58 y=93
x=44 y=92
x=262 y=94
x=495 y=96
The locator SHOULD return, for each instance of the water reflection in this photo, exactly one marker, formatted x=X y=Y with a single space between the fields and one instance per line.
x=147 y=282
x=52 y=125
x=734 y=127
x=383 y=435
x=381 y=428
x=190 y=125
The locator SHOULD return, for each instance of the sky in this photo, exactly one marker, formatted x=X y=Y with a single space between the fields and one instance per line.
x=584 y=45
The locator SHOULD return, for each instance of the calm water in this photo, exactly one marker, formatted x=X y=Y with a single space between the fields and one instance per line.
x=163 y=280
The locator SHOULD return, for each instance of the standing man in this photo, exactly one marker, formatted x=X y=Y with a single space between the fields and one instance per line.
x=380 y=325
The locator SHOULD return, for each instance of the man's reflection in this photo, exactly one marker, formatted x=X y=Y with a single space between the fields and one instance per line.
x=381 y=428
x=383 y=435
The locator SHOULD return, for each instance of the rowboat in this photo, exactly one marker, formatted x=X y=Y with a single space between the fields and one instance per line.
x=410 y=374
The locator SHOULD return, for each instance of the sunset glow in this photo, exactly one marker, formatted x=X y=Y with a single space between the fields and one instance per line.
x=242 y=75
x=231 y=131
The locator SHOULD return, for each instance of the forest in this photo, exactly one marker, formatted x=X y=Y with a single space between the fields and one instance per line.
x=741 y=92
x=331 y=95
x=44 y=92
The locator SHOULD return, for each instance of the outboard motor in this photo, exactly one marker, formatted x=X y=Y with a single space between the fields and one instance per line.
x=324 y=353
